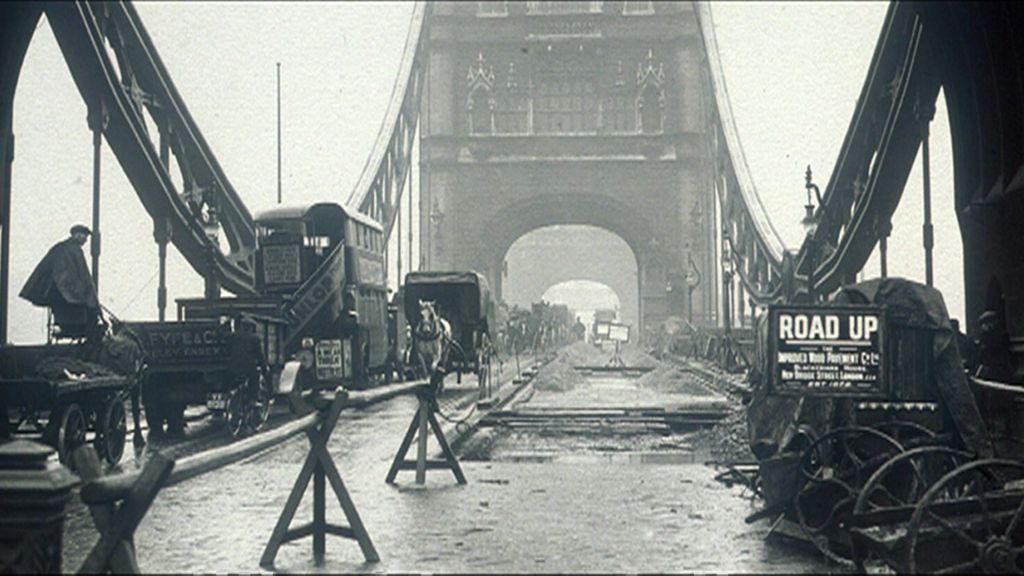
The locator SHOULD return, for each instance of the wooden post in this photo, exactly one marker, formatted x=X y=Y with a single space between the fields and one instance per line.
x=318 y=466
x=421 y=447
x=425 y=416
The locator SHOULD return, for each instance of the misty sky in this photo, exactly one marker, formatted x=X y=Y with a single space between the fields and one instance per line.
x=793 y=70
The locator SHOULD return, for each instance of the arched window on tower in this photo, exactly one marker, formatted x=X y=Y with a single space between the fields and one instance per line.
x=650 y=96
x=479 y=98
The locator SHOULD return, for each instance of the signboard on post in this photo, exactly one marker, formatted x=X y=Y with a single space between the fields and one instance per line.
x=829 y=351
x=618 y=332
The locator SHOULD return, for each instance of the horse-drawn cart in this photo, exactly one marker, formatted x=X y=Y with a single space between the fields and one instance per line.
x=48 y=390
x=463 y=299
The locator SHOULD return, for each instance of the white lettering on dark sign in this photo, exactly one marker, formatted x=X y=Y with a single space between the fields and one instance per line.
x=827 y=350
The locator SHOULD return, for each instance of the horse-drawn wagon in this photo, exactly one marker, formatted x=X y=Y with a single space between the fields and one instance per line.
x=64 y=390
x=463 y=301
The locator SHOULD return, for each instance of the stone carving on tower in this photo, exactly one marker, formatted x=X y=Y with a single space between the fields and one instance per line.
x=480 y=96
x=650 y=95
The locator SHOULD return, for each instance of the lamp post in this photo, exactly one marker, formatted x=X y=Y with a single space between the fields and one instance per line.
x=810 y=224
x=727 y=281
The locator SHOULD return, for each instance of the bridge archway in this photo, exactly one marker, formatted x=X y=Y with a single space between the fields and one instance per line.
x=584 y=266
x=518 y=219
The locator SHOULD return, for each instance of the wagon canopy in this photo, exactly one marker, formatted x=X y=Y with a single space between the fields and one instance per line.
x=463 y=298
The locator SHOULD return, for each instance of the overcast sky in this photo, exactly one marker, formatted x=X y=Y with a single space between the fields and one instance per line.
x=793 y=70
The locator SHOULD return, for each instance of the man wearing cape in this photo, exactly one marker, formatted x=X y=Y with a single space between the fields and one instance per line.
x=61 y=281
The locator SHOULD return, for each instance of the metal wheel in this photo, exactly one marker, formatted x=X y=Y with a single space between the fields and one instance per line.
x=835 y=467
x=111 y=430
x=260 y=408
x=908 y=434
x=970 y=521
x=902 y=482
x=235 y=413
x=71 y=433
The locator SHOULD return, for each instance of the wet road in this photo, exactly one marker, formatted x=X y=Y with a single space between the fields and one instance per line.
x=534 y=503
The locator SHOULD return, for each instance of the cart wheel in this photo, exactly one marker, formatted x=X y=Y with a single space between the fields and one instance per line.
x=234 y=413
x=111 y=430
x=260 y=409
x=836 y=466
x=908 y=434
x=970 y=521
x=71 y=433
x=902 y=481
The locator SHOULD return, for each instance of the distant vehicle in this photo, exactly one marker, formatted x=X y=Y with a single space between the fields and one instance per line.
x=464 y=300
x=320 y=282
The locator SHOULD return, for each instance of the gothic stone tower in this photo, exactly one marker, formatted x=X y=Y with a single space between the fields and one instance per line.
x=594 y=113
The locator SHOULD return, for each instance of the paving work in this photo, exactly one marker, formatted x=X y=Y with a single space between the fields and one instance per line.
x=550 y=502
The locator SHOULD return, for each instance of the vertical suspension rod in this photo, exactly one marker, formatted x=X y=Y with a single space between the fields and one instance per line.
x=97 y=123
x=928 y=238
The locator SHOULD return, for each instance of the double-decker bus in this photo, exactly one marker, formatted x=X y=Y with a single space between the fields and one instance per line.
x=320 y=283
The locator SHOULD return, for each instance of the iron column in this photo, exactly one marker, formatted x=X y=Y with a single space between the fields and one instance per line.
x=925 y=114
x=98 y=124
x=278 y=132
x=5 y=232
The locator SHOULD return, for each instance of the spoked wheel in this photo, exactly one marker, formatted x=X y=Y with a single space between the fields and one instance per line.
x=71 y=433
x=483 y=370
x=235 y=413
x=111 y=430
x=260 y=408
x=970 y=521
x=908 y=434
x=902 y=482
x=835 y=468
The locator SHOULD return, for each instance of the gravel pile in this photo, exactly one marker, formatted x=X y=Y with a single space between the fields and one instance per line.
x=560 y=374
x=727 y=441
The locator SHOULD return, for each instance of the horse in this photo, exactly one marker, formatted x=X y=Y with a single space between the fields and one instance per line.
x=431 y=338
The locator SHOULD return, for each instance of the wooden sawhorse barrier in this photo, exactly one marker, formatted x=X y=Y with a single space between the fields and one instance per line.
x=319 y=466
x=427 y=398
x=115 y=551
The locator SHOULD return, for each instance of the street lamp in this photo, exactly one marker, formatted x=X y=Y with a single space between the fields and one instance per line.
x=810 y=224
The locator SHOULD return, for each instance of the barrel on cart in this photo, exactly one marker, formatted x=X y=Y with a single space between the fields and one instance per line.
x=464 y=300
x=47 y=391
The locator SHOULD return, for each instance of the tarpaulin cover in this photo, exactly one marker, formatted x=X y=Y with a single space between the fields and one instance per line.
x=773 y=421
x=463 y=298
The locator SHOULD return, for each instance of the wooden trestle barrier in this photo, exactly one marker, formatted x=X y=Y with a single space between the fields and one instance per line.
x=318 y=416
x=115 y=551
x=427 y=399
x=319 y=465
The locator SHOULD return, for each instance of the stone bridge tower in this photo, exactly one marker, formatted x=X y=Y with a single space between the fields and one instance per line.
x=596 y=113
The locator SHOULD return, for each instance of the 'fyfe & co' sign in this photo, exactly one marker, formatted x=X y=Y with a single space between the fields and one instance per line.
x=827 y=351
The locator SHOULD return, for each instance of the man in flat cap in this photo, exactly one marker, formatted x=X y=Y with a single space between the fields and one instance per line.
x=61 y=281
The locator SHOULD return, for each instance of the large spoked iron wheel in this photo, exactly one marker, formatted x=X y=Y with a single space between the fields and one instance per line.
x=834 y=468
x=260 y=408
x=901 y=483
x=111 y=430
x=235 y=413
x=71 y=434
x=971 y=521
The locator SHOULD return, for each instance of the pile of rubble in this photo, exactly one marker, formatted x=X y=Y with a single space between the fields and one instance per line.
x=728 y=441
x=560 y=374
